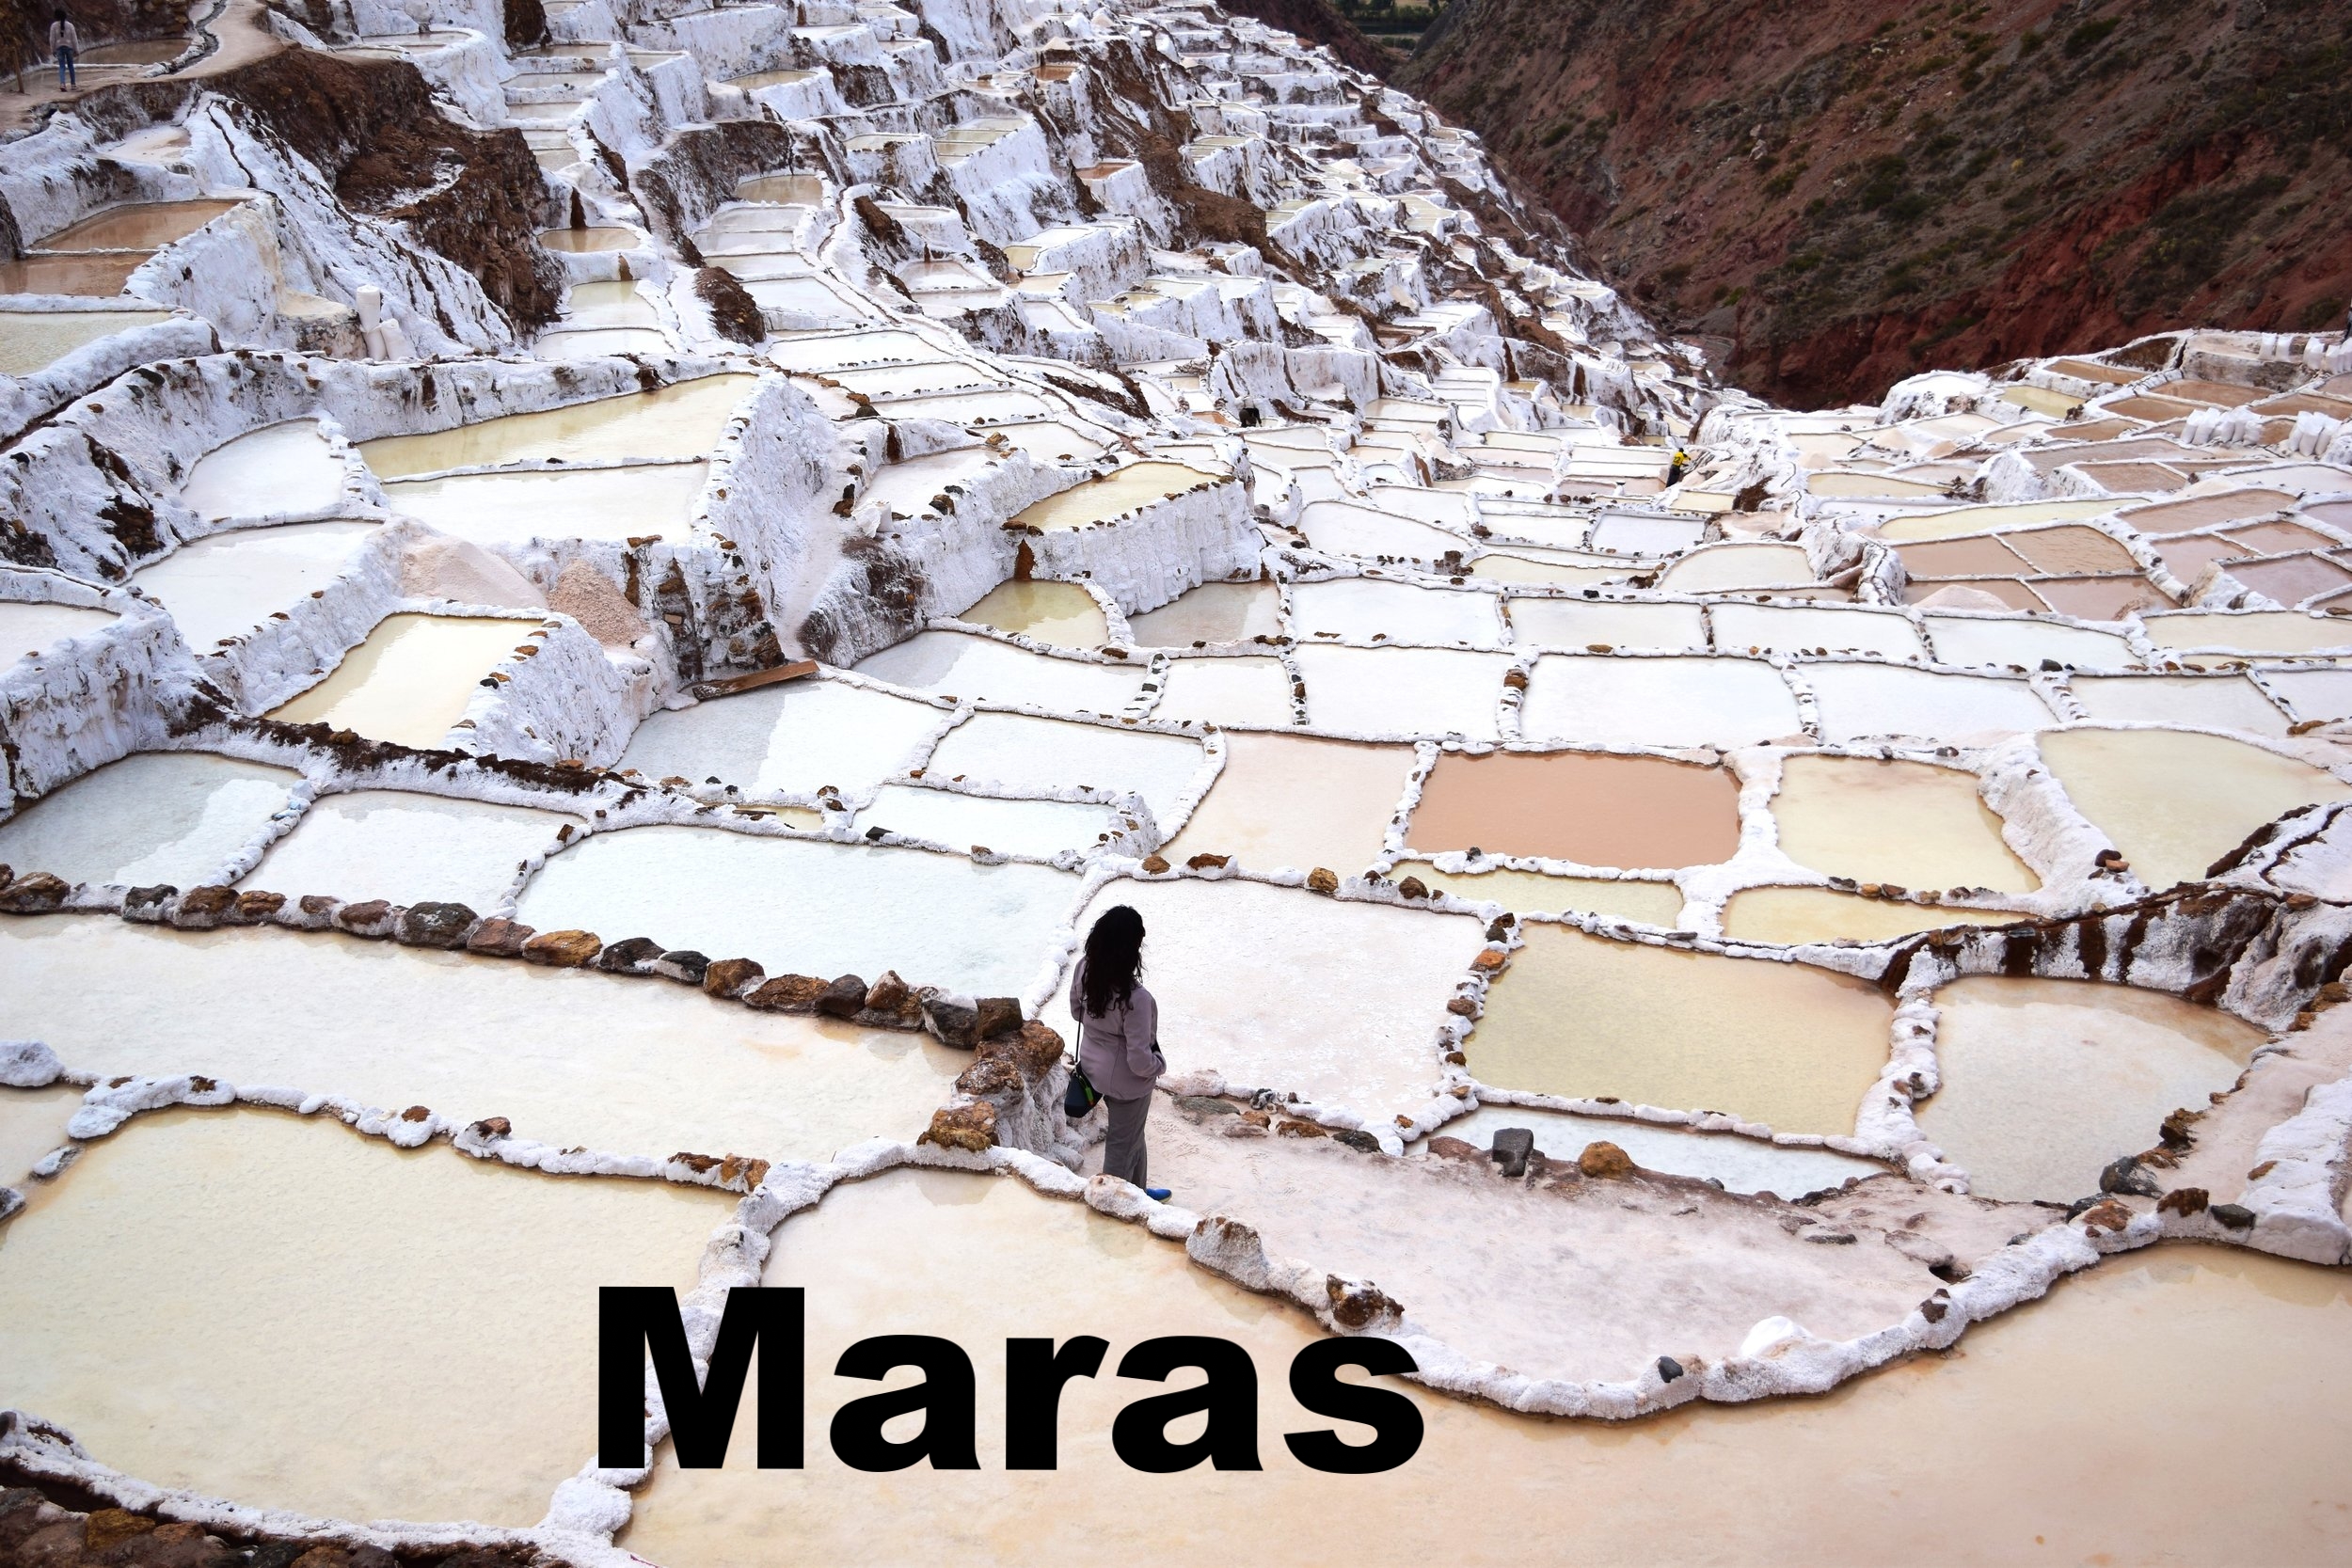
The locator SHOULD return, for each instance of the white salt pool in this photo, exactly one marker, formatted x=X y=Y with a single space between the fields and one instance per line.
x=1656 y=702
x=222 y=587
x=1043 y=828
x=792 y=739
x=655 y=499
x=1742 y=1165
x=282 y=469
x=960 y=665
x=411 y=680
x=2217 y=702
x=1038 y=756
x=679 y=422
x=26 y=629
x=1909 y=823
x=32 y=341
x=1787 y=630
x=2024 y=645
x=1727 y=567
x=1581 y=622
x=1858 y=700
x=1361 y=609
x=1297 y=802
x=1252 y=692
x=1387 y=691
x=409 y=848
x=1212 y=612
x=158 y=816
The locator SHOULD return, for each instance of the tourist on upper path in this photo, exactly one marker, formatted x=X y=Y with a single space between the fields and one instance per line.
x=65 y=45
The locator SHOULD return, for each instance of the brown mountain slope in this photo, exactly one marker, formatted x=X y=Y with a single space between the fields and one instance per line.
x=1840 y=195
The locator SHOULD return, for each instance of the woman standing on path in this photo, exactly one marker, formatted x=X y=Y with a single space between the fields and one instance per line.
x=1119 y=1039
x=65 y=44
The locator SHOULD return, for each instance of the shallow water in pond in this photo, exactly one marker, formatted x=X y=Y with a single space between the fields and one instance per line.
x=1966 y=640
x=97 y=277
x=138 y=226
x=683 y=420
x=2072 y=549
x=1580 y=624
x=1123 y=491
x=608 y=304
x=309 y=1239
x=1656 y=702
x=1340 y=1004
x=1859 y=699
x=1295 y=801
x=1976 y=519
x=407 y=848
x=2219 y=701
x=411 y=680
x=1060 y=612
x=1787 y=1045
x=283 y=468
x=1798 y=914
x=1592 y=807
x=1742 y=1165
x=1043 y=828
x=1039 y=755
x=1343 y=528
x=1383 y=691
x=1359 y=608
x=655 y=499
x=2312 y=693
x=589 y=343
x=808 y=907
x=2175 y=803
x=960 y=665
x=1212 y=612
x=1252 y=692
x=35 y=628
x=1736 y=566
x=157 y=816
x=35 y=339
x=791 y=738
x=1985 y=1450
x=583 y=240
x=570 y=1056
x=2048 y=1081
x=32 y=1122
x=1910 y=823
x=2265 y=631
x=1790 y=630
x=227 y=585
x=1534 y=892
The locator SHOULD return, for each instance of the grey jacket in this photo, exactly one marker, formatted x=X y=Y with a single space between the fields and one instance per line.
x=1119 y=1050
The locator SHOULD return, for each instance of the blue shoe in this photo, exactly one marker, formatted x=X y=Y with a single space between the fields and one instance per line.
x=1157 y=1195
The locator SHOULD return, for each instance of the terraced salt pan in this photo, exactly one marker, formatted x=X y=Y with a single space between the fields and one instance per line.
x=2174 y=802
x=908 y=487
x=1534 y=892
x=1342 y=527
x=1978 y=519
x=2221 y=703
x=592 y=341
x=960 y=665
x=1212 y=612
x=1430 y=691
x=95 y=276
x=2021 y=643
x=608 y=304
x=1595 y=809
x=1503 y=567
x=1742 y=1165
x=1042 y=755
x=1627 y=535
x=1340 y=1005
x=26 y=629
x=1226 y=692
x=1052 y=441
x=1909 y=823
x=225 y=585
x=1787 y=1045
x=679 y=422
x=1799 y=914
x=2082 y=1395
x=1858 y=700
x=1656 y=702
x=32 y=1122
x=1581 y=623
x=808 y=907
x=33 y=341
x=2312 y=693
x=1061 y=612
x=582 y=241
x=651 y=499
x=2045 y=1081
x=1042 y=828
x=792 y=739
x=2277 y=631
x=155 y=817
x=410 y=680
x=1361 y=609
x=280 y=1215
x=1098 y=501
x=1297 y=802
x=1736 y=566
x=571 y=1057
x=139 y=225
x=1786 y=630
x=409 y=848
x=281 y=470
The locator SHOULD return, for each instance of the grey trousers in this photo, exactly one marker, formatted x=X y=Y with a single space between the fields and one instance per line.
x=1123 y=1154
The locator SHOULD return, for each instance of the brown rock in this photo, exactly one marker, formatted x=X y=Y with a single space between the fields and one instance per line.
x=1320 y=880
x=1155 y=865
x=36 y=893
x=1357 y=1306
x=887 y=994
x=1490 y=959
x=111 y=1526
x=2184 y=1201
x=1413 y=887
x=2105 y=1215
x=790 y=993
x=2262 y=1170
x=990 y=1075
x=998 y=1015
x=1206 y=862
x=1034 y=1047
x=1447 y=1148
x=1291 y=1127
x=255 y=906
x=1462 y=1007
x=562 y=949
x=200 y=908
x=1604 y=1160
x=372 y=919
x=731 y=976
x=435 y=925
x=844 y=998
x=1515 y=679
x=969 y=1126
x=499 y=939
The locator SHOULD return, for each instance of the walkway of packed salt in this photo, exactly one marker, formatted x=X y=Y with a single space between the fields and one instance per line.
x=649 y=786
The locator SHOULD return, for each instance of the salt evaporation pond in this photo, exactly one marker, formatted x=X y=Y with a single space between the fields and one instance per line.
x=2215 y=702
x=1742 y=1165
x=1787 y=1045
x=793 y=738
x=2083 y=1395
x=1776 y=629
x=27 y=629
x=409 y=848
x=224 y=586
x=176 y=817
x=1297 y=801
x=137 y=225
x=410 y=681
x=647 y=501
x=679 y=422
x=1653 y=903
x=1361 y=609
x=1212 y=612
x=1789 y=915
x=1253 y=692
x=1858 y=700
x=280 y=470
x=571 y=1057
x=1592 y=807
x=32 y=1123
x=1061 y=612
x=1656 y=702
x=1019 y=753
x=2174 y=802
x=960 y=665
x=1116 y=494
x=1385 y=692
x=33 y=341
x=346 y=1412
x=1909 y=823
x=2045 y=1081
x=806 y=907
x=1040 y=828
x=2024 y=645
x=1581 y=623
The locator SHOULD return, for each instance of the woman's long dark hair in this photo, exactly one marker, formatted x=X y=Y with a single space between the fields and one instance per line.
x=1114 y=958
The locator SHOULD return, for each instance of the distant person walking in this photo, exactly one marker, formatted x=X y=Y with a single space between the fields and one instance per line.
x=1119 y=1039
x=65 y=46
